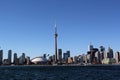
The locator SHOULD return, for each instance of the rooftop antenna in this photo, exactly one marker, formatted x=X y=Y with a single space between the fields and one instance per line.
x=55 y=28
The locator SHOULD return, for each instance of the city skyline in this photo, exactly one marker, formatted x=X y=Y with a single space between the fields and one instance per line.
x=28 y=26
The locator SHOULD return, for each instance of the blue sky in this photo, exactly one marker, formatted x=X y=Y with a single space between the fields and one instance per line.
x=28 y=25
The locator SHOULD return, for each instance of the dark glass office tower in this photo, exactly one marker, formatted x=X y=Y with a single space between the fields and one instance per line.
x=1 y=56
x=9 y=56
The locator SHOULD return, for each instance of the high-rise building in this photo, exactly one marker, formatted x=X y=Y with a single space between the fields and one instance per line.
x=50 y=60
x=22 y=59
x=88 y=56
x=105 y=54
x=92 y=55
x=64 y=56
x=44 y=56
x=102 y=53
x=90 y=47
x=1 y=57
x=55 y=43
x=97 y=55
x=110 y=53
x=9 y=57
x=68 y=53
x=83 y=58
x=60 y=55
x=75 y=59
x=15 y=61
x=70 y=60
x=117 y=57
x=28 y=60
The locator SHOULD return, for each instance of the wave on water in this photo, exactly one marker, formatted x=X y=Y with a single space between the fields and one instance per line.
x=60 y=73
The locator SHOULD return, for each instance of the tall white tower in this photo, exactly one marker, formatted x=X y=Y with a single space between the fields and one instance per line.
x=55 y=42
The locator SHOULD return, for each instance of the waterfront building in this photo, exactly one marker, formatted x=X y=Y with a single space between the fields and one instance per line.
x=50 y=58
x=75 y=60
x=108 y=61
x=110 y=53
x=44 y=55
x=28 y=62
x=105 y=54
x=117 y=57
x=39 y=60
x=53 y=58
x=88 y=57
x=22 y=59
x=83 y=58
x=5 y=62
x=66 y=55
x=70 y=60
x=92 y=55
x=90 y=47
x=102 y=55
x=97 y=56
x=9 y=57
x=1 y=57
x=79 y=59
x=102 y=50
x=15 y=61
x=60 y=55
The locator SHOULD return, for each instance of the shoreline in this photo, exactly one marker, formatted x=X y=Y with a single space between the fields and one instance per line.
x=61 y=65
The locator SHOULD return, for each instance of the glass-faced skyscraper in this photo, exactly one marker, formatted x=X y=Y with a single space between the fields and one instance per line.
x=1 y=56
x=15 y=61
x=110 y=53
x=60 y=55
x=9 y=56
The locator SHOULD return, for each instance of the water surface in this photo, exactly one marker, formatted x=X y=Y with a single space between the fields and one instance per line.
x=60 y=73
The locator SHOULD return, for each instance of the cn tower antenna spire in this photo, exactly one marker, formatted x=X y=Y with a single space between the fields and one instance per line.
x=55 y=42
x=55 y=28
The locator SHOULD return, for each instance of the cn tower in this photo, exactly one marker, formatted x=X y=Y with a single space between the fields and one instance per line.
x=55 y=43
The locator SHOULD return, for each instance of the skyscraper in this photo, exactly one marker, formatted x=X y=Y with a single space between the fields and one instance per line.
x=97 y=56
x=110 y=53
x=22 y=59
x=90 y=47
x=1 y=56
x=68 y=53
x=60 y=55
x=117 y=57
x=55 y=43
x=9 y=56
x=102 y=53
x=28 y=60
x=15 y=61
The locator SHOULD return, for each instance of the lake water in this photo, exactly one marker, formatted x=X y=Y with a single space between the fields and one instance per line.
x=60 y=73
